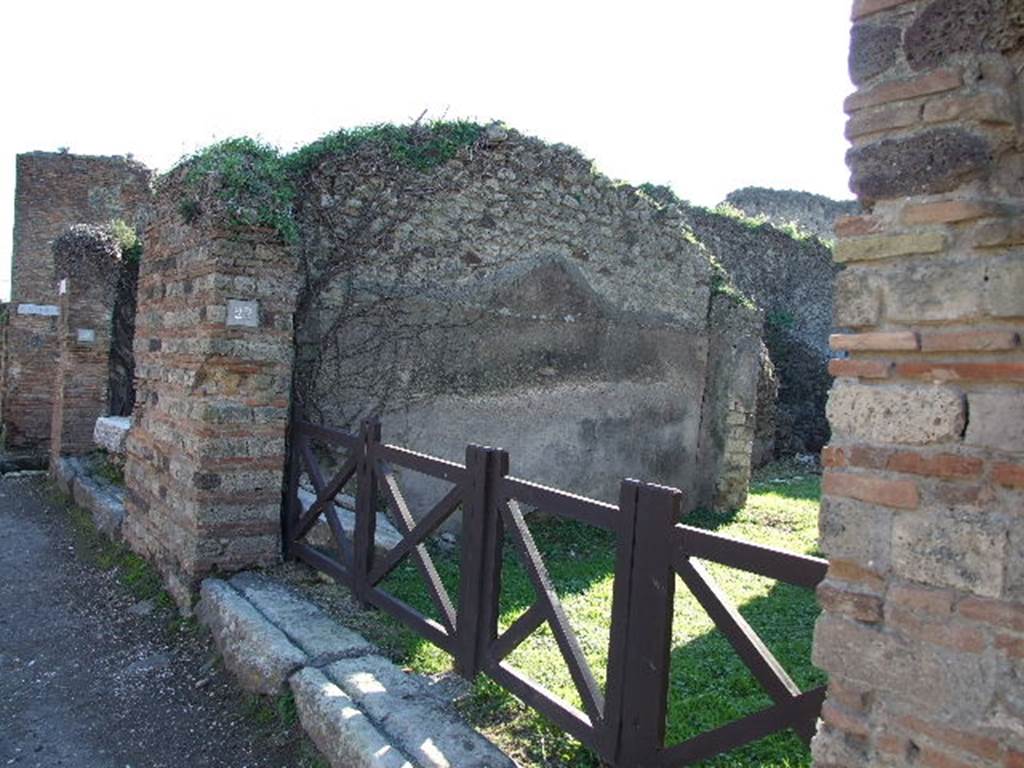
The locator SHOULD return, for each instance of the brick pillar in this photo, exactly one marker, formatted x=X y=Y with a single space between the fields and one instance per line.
x=213 y=351
x=922 y=633
x=730 y=421
x=53 y=192
x=82 y=375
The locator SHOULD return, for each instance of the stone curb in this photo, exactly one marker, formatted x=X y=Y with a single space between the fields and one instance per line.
x=105 y=502
x=259 y=655
x=357 y=707
x=338 y=728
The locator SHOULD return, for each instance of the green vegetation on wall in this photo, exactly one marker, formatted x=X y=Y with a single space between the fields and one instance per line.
x=258 y=183
x=128 y=238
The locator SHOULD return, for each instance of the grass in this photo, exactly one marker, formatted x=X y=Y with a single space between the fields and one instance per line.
x=132 y=571
x=709 y=685
x=108 y=468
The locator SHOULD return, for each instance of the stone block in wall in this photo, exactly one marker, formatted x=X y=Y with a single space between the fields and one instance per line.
x=896 y=414
x=111 y=432
x=997 y=420
x=964 y=551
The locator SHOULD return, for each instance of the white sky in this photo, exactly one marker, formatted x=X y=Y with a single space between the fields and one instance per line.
x=704 y=96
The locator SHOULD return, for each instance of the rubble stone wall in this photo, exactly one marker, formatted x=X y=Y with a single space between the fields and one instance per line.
x=511 y=296
x=812 y=213
x=790 y=279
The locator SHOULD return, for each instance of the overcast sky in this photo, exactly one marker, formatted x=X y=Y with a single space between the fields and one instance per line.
x=704 y=96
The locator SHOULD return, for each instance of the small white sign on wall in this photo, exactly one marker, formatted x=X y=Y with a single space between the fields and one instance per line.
x=62 y=286
x=86 y=336
x=245 y=314
x=46 y=310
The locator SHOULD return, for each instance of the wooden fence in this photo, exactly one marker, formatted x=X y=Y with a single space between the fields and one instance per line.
x=624 y=724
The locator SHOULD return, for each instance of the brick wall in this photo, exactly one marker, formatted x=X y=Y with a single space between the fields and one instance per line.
x=205 y=456
x=54 y=191
x=730 y=418
x=82 y=375
x=923 y=626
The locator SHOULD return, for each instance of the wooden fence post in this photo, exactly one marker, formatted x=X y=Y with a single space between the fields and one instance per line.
x=641 y=634
x=480 y=564
x=364 y=536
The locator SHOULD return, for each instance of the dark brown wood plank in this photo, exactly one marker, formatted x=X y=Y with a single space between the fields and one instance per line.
x=481 y=563
x=618 y=648
x=403 y=520
x=801 y=710
x=568 y=644
x=325 y=499
x=422 y=625
x=748 y=645
x=649 y=629
x=425 y=527
x=799 y=570
x=419 y=462
x=330 y=435
x=562 y=714
x=312 y=465
x=556 y=502
x=365 y=534
x=519 y=630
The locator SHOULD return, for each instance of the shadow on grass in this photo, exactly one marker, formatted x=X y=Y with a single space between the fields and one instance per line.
x=799 y=489
x=709 y=686
x=577 y=556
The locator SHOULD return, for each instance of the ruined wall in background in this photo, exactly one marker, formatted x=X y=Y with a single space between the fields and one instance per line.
x=923 y=630
x=729 y=427
x=54 y=191
x=812 y=213
x=790 y=279
x=511 y=297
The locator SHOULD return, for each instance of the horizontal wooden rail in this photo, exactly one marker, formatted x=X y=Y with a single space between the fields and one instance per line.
x=799 y=570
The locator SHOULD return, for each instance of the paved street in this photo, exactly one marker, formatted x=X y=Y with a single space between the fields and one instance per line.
x=92 y=678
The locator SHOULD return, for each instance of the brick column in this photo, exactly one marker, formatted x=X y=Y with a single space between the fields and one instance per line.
x=82 y=375
x=213 y=351
x=923 y=626
x=728 y=426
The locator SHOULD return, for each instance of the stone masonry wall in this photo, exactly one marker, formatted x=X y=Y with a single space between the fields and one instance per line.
x=922 y=633
x=509 y=296
x=213 y=349
x=812 y=213
x=54 y=191
x=791 y=280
